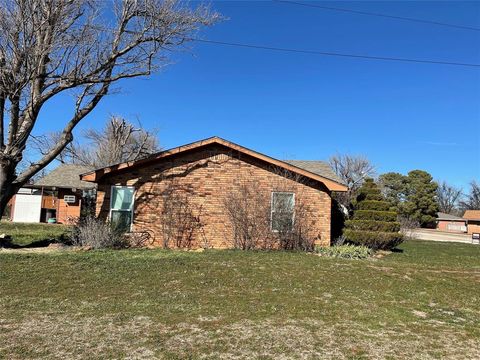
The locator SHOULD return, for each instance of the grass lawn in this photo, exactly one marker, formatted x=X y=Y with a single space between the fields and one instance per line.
x=25 y=234
x=421 y=303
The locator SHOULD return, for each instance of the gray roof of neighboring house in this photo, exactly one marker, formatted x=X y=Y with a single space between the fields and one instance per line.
x=318 y=167
x=66 y=176
x=444 y=216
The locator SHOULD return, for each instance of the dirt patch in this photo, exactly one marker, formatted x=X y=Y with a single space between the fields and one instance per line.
x=381 y=268
x=37 y=250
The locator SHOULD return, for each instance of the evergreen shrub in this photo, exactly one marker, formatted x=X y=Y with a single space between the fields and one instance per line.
x=372 y=225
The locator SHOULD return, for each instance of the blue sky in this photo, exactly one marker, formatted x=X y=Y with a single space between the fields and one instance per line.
x=402 y=116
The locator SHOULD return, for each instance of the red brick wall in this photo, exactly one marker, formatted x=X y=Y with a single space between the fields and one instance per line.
x=209 y=175
x=442 y=225
x=68 y=213
x=473 y=226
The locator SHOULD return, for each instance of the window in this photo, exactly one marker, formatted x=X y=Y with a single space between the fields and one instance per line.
x=69 y=199
x=283 y=209
x=121 y=207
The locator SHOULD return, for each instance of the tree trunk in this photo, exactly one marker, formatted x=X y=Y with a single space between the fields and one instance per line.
x=7 y=187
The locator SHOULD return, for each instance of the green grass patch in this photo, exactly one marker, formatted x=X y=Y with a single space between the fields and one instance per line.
x=25 y=234
x=422 y=302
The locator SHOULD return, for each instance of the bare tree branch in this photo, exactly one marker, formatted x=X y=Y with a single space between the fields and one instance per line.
x=117 y=142
x=50 y=46
x=448 y=197
x=472 y=199
x=353 y=170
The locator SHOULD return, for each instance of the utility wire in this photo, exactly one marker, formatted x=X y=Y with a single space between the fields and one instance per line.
x=316 y=52
x=464 y=27
x=337 y=54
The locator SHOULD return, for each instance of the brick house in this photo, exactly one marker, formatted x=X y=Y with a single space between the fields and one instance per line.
x=473 y=221
x=136 y=194
x=58 y=195
x=451 y=223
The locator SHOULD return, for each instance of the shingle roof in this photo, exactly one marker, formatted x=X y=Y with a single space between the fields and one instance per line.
x=472 y=214
x=66 y=176
x=318 y=167
x=318 y=170
x=444 y=216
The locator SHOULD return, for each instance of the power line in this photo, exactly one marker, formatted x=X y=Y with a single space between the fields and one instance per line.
x=337 y=54
x=431 y=22
x=317 y=52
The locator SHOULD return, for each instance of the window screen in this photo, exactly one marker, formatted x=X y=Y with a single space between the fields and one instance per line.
x=283 y=208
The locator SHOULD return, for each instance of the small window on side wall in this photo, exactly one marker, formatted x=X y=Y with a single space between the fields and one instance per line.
x=121 y=207
x=283 y=211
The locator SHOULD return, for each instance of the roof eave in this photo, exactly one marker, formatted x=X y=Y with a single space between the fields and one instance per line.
x=331 y=185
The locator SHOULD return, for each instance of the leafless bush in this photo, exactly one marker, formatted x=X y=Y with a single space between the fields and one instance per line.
x=97 y=234
x=297 y=236
x=408 y=226
x=181 y=219
x=259 y=222
x=248 y=211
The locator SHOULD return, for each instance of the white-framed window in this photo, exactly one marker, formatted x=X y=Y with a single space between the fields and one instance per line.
x=121 y=207
x=282 y=211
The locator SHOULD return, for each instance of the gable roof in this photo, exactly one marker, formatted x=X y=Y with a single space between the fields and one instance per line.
x=320 y=175
x=66 y=176
x=449 y=217
x=472 y=215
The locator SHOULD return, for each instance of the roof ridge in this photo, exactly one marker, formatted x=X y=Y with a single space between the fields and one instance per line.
x=330 y=180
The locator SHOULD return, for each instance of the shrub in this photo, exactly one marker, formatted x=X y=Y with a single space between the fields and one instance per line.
x=374 y=205
x=372 y=224
x=346 y=251
x=97 y=234
x=374 y=239
x=376 y=215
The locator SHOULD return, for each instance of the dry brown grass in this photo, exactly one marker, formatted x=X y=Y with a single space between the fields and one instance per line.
x=72 y=337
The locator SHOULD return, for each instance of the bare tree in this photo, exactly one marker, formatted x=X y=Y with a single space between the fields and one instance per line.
x=353 y=170
x=448 y=197
x=117 y=142
x=52 y=47
x=472 y=200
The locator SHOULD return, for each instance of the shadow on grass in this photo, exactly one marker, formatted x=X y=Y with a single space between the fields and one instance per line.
x=8 y=243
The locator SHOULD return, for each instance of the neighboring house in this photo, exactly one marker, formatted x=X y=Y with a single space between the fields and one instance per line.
x=58 y=195
x=135 y=194
x=473 y=221
x=451 y=223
